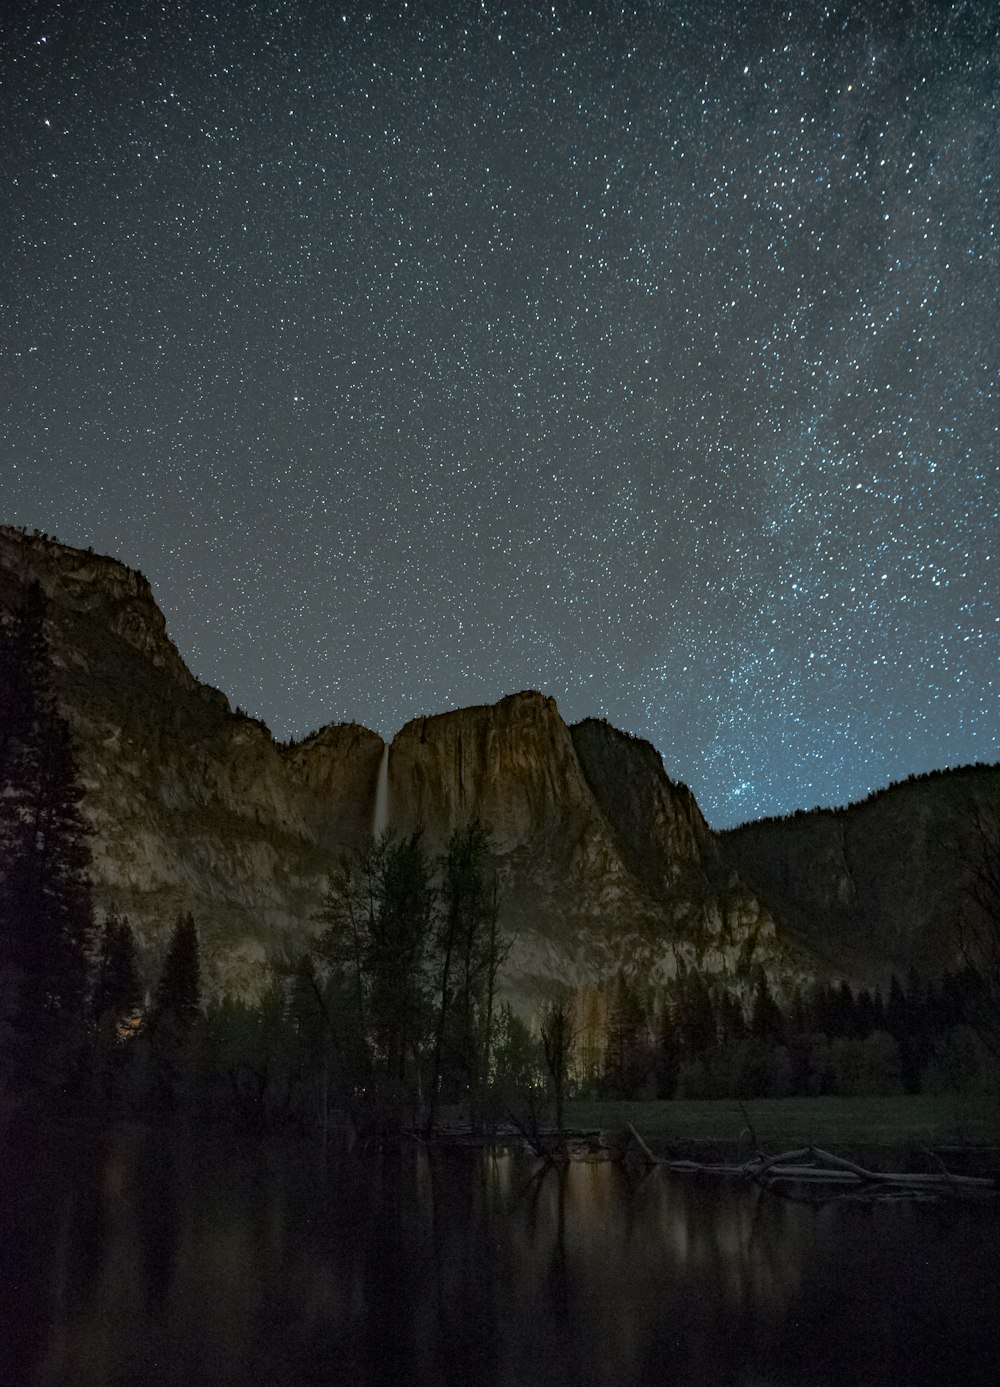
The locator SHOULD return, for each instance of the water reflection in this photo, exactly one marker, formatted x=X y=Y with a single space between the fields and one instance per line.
x=187 y=1260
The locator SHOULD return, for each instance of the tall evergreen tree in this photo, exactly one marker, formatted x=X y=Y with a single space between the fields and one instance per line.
x=981 y=924
x=176 y=1007
x=694 y=1015
x=115 y=1002
x=628 y=1060
x=897 y=1016
x=766 y=1020
x=46 y=920
x=117 y=991
x=178 y=992
x=668 y=1052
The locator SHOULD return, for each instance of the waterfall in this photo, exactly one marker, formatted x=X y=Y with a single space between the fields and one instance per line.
x=380 y=819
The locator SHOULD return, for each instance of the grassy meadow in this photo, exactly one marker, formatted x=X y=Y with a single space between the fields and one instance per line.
x=901 y=1121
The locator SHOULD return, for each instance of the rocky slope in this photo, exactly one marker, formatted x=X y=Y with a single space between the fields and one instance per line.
x=193 y=807
x=604 y=861
x=878 y=885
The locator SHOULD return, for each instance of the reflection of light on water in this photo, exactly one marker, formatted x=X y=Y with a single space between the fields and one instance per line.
x=227 y=1262
x=672 y=1241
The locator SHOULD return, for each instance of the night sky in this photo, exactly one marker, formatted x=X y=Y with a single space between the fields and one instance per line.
x=418 y=354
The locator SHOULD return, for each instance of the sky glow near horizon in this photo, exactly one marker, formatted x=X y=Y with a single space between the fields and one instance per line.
x=418 y=354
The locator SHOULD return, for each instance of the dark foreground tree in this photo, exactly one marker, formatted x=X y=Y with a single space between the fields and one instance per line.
x=175 y=1010
x=467 y=954
x=378 y=912
x=558 y=1037
x=115 y=1004
x=629 y=1059
x=117 y=990
x=178 y=992
x=46 y=921
x=981 y=925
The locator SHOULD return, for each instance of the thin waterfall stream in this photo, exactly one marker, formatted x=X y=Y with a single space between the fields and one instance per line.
x=380 y=818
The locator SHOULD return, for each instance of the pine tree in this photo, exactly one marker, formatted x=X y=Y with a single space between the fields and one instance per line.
x=897 y=1015
x=178 y=992
x=46 y=921
x=117 y=991
x=627 y=1060
x=115 y=1003
x=668 y=1053
x=980 y=923
x=731 y=1021
x=176 y=1007
x=695 y=1016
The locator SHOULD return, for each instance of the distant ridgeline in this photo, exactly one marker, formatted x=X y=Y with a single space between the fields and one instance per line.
x=882 y=881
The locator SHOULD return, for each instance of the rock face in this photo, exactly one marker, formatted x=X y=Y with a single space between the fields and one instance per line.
x=879 y=884
x=662 y=833
x=514 y=766
x=604 y=862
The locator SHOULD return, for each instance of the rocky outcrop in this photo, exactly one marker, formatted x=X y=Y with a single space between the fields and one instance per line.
x=512 y=764
x=605 y=863
x=89 y=585
x=662 y=832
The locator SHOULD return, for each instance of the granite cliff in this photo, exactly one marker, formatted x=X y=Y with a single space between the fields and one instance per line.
x=604 y=861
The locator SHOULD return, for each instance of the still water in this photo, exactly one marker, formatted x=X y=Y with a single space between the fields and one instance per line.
x=142 y=1259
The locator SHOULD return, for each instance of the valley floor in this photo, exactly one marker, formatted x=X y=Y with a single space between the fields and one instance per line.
x=907 y=1123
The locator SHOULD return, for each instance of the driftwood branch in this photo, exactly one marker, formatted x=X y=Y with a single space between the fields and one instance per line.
x=825 y=1167
x=650 y=1158
x=811 y=1166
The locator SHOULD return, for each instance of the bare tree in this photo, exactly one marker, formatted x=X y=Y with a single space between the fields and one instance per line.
x=468 y=952
x=558 y=1036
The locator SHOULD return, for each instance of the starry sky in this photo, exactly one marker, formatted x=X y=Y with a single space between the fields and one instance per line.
x=645 y=354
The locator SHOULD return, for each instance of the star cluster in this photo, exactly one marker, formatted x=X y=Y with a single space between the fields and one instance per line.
x=419 y=353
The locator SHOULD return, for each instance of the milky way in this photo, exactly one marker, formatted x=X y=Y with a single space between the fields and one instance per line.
x=419 y=354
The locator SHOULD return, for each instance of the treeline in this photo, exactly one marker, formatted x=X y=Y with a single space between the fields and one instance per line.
x=840 y=810
x=702 y=1037
x=360 y=1029
x=390 y=1012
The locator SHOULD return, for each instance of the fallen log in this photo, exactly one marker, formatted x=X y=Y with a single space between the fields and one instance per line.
x=813 y=1168
x=786 y=1158
x=824 y=1166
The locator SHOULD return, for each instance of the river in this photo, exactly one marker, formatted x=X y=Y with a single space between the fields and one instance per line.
x=149 y=1258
